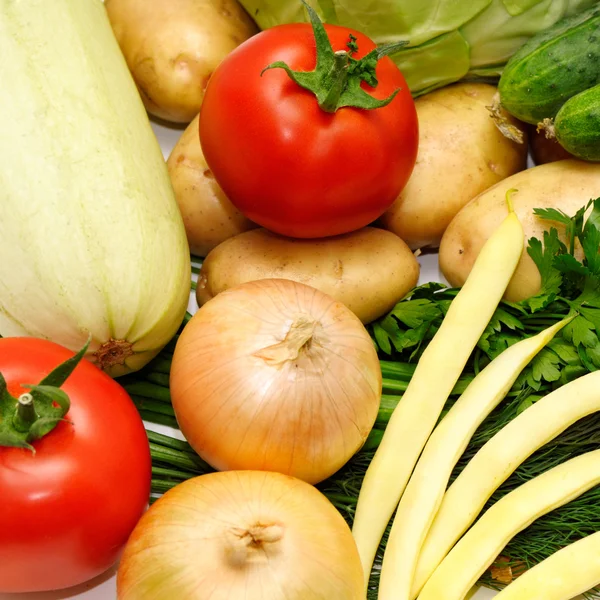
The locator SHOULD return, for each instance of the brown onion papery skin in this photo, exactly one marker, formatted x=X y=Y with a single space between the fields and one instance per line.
x=194 y=543
x=304 y=417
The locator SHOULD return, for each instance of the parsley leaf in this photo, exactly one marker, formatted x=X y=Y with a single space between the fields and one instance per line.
x=544 y=366
x=429 y=290
x=573 y=225
x=591 y=244
x=580 y=331
x=594 y=218
x=592 y=315
x=594 y=355
x=544 y=257
x=407 y=325
x=589 y=296
x=492 y=345
x=414 y=313
x=585 y=359
x=566 y=263
x=553 y=214
x=565 y=350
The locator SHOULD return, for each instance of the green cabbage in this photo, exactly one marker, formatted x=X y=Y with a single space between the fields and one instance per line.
x=449 y=40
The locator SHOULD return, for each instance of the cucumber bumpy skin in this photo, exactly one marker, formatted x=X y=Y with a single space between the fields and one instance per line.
x=553 y=66
x=577 y=125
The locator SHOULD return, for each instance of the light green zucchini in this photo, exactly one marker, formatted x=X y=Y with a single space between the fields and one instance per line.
x=91 y=239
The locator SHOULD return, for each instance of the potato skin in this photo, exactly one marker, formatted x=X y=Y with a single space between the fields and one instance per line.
x=567 y=185
x=368 y=270
x=461 y=154
x=172 y=48
x=208 y=215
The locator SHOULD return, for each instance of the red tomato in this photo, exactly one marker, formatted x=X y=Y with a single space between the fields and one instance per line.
x=68 y=510
x=287 y=164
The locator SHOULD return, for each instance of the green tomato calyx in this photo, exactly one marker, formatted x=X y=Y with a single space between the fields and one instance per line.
x=336 y=80
x=38 y=411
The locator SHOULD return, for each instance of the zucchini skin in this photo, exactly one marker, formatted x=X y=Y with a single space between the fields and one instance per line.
x=577 y=125
x=553 y=66
x=92 y=241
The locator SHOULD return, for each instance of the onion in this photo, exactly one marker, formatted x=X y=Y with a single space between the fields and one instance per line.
x=274 y=375
x=241 y=535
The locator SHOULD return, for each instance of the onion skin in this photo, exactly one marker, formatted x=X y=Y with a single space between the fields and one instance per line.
x=242 y=534
x=275 y=375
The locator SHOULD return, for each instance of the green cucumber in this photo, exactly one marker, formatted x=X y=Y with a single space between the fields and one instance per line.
x=553 y=66
x=577 y=125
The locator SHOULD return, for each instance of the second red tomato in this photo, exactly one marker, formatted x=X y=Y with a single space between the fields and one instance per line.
x=67 y=510
x=286 y=163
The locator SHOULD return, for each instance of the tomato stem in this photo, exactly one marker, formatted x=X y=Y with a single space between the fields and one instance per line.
x=337 y=77
x=37 y=412
x=25 y=414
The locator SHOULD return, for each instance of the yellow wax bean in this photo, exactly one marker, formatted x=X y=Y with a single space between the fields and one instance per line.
x=478 y=548
x=427 y=484
x=497 y=460
x=573 y=570
x=436 y=374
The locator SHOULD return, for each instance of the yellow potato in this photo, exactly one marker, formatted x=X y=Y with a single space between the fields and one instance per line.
x=368 y=270
x=172 y=48
x=461 y=154
x=208 y=215
x=567 y=185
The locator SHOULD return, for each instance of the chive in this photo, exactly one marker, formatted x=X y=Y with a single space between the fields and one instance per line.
x=148 y=390
x=160 y=486
x=396 y=370
x=461 y=385
x=158 y=378
x=160 y=364
x=392 y=385
x=342 y=499
x=158 y=418
x=168 y=441
x=373 y=441
x=172 y=473
x=176 y=458
x=386 y=407
x=170 y=347
x=150 y=405
x=397 y=380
